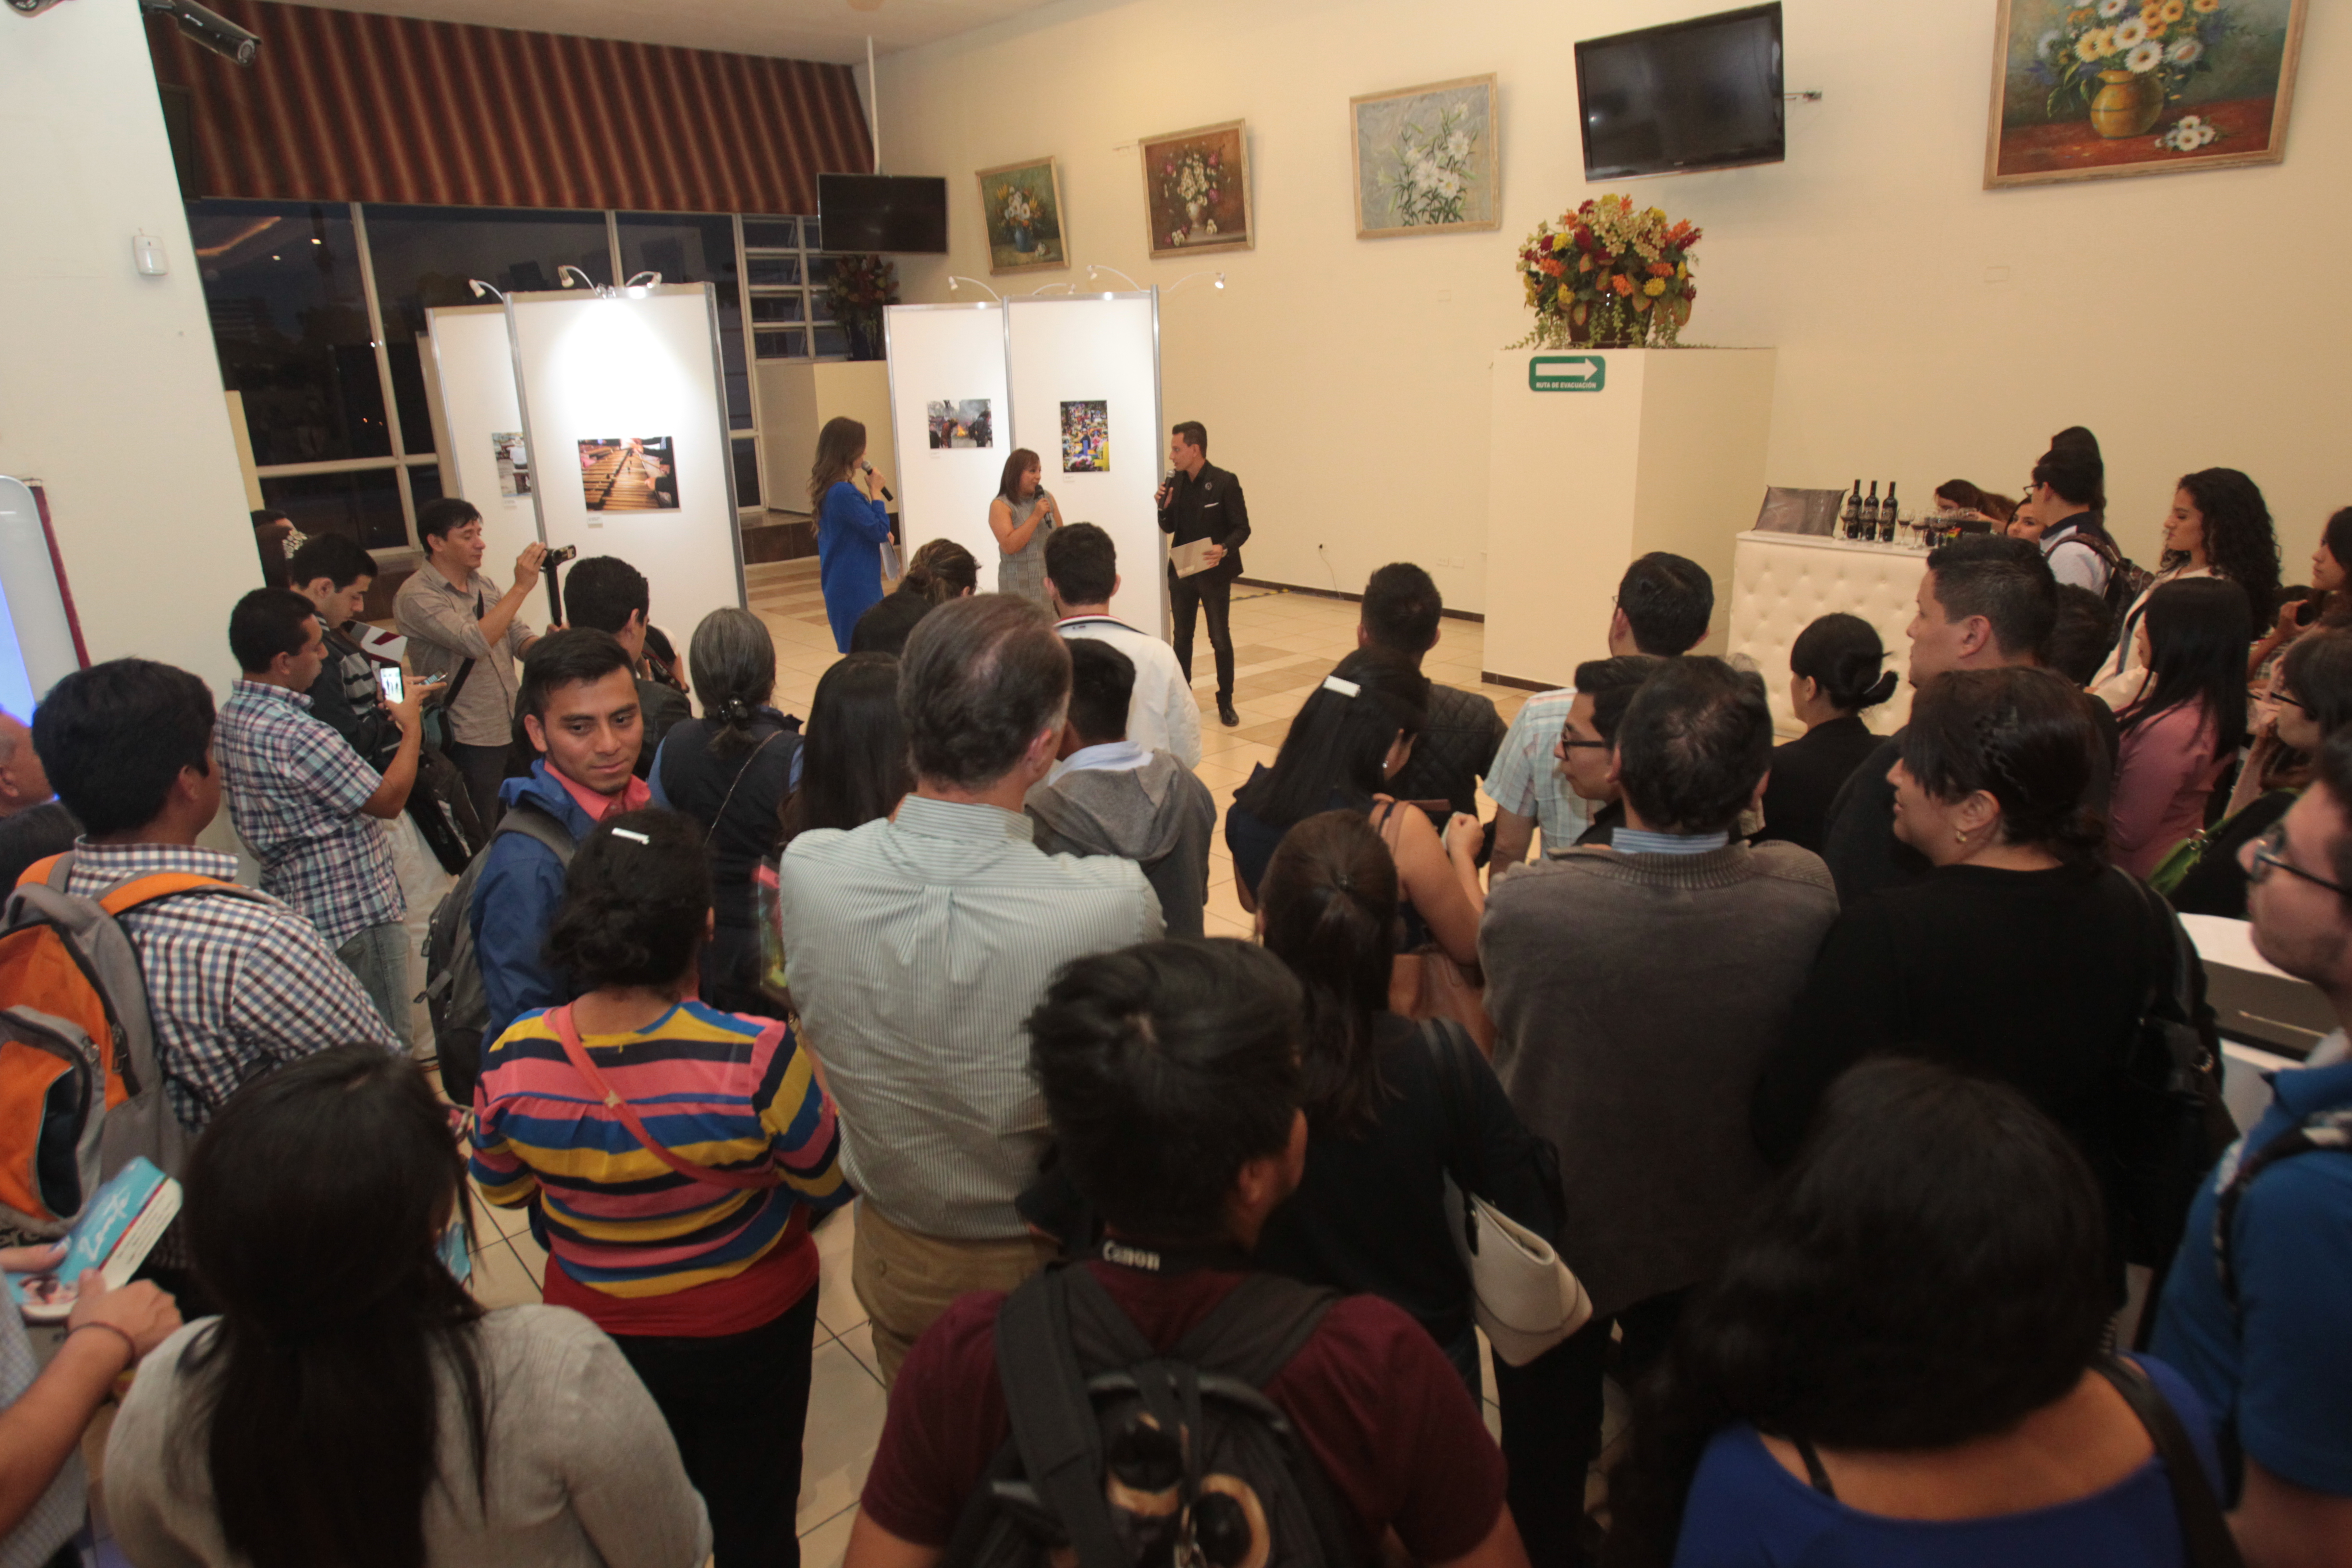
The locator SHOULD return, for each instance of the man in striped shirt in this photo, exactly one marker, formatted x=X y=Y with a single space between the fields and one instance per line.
x=235 y=984
x=917 y=947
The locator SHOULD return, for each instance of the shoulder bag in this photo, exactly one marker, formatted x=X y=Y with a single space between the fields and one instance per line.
x=2205 y=1538
x=1521 y=1294
x=440 y=729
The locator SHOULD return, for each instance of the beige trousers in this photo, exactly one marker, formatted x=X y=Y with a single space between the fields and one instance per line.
x=905 y=1281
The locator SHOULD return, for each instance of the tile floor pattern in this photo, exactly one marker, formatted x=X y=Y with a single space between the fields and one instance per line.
x=1284 y=644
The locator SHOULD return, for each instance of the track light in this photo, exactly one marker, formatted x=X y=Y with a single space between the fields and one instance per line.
x=208 y=27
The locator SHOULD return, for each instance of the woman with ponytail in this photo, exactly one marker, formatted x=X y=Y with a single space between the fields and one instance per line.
x=2021 y=956
x=1835 y=670
x=672 y=1157
x=941 y=571
x=1384 y=1128
x=731 y=771
x=352 y=1404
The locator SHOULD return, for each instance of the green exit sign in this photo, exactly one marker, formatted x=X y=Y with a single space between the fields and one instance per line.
x=1566 y=373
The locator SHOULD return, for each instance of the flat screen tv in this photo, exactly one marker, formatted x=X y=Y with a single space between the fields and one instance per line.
x=904 y=213
x=1702 y=94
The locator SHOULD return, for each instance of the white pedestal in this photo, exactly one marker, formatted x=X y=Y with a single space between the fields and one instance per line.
x=1667 y=454
x=1782 y=582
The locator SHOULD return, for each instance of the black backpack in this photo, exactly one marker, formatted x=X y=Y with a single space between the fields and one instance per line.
x=2170 y=1123
x=1092 y=1469
x=454 y=998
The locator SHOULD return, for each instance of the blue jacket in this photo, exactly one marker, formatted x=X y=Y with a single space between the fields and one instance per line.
x=521 y=886
x=850 y=529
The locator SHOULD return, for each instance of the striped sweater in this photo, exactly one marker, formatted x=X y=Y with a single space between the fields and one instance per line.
x=728 y=1092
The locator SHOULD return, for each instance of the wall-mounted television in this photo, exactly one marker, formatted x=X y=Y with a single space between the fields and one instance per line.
x=1702 y=94
x=904 y=213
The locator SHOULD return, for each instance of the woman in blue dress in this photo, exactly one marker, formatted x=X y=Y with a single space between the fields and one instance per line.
x=845 y=496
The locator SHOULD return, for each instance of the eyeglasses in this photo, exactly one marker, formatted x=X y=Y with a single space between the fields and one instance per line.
x=2270 y=851
x=2293 y=701
x=1568 y=743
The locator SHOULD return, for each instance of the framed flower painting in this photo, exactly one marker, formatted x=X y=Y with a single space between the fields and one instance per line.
x=1196 y=190
x=2094 y=89
x=1023 y=205
x=1426 y=159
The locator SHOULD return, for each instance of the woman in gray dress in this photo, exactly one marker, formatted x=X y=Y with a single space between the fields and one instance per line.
x=1022 y=514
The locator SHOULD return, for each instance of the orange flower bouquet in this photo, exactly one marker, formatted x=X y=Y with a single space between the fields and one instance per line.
x=1609 y=274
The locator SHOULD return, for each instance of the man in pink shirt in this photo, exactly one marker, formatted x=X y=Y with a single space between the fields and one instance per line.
x=579 y=705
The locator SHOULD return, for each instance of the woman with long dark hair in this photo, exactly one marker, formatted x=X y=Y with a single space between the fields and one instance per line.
x=2327 y=605
x=1346 y=741
x=730 y=769
x=1393 y=1107
x=2219 y=526
x=853 y=765
x=852 y=524
x=1902 y=1359
x=2188 y=721
x=939 y=570
x=1022 y=517
x=1835 y=671
x=2311 y=698
x=672 y=1157
x=2018 y=956
x=352 y=1404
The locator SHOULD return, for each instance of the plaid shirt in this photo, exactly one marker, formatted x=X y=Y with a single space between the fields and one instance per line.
x=1525 y=779
x=296 y=790
x=234 y=986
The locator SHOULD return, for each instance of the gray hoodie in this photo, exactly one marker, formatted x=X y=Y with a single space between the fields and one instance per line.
x=1157 y=815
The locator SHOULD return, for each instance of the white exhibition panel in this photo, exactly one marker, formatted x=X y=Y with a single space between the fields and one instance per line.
x=1782 y=582
x=473 y=358
x=641 y=366
x=947 y=354
x=1098 y=348
x=37 y=641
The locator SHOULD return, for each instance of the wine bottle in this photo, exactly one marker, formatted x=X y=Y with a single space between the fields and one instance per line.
x=1870 y=513
x=1854 y=512
x=1887 y=514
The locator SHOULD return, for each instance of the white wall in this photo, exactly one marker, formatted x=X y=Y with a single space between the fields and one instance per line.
x=110 y=392
x=2190 y=319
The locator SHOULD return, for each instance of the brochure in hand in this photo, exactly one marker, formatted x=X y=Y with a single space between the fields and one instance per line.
x=124 y=1221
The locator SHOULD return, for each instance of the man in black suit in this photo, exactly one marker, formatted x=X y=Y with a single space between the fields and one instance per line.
x=1199 y=501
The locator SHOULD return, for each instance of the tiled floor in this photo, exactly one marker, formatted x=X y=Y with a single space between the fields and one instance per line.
x=1283 y=644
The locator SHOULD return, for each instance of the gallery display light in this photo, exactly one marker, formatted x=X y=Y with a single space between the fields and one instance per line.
x=486 y=290
x=638 y=285
x=1189 y=277
x=208 y=27
x=955 y=283
x=1093 y=271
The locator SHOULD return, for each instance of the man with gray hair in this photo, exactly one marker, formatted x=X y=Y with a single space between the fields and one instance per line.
x=34 y=824
x=915 y=947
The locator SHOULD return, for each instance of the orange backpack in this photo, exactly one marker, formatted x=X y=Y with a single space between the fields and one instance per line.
x=81 y=1091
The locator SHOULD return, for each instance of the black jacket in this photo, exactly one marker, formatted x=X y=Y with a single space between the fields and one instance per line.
x=1454 y=750
x=885 y=627
x=1209 y=506
x=345 y=697
x=1807 y=774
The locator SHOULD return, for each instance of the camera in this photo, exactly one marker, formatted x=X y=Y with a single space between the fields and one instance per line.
x=208 y=27
x=557 y=557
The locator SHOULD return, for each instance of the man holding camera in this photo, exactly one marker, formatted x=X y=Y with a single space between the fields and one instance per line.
x=460 y=624
x=1199 y=502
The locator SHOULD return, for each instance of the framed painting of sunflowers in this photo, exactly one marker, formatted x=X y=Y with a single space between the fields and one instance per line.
x=2094 y=89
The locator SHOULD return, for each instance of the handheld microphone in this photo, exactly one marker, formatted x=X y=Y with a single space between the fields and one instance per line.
x=869 y=468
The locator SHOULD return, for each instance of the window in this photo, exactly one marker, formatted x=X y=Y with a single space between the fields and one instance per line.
x=787 y=271
x=290 y=324
x=363 y=505
x=696 y=249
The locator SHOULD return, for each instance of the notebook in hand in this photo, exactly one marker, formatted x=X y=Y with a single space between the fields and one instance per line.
x=124 y=1221
x=1192 y=558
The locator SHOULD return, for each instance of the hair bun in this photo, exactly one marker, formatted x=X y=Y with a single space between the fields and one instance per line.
x=1880 y=691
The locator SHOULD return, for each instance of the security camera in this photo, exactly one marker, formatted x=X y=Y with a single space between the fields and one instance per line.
x=30 y=7
x=208 y=27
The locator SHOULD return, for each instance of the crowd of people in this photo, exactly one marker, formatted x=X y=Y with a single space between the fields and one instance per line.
x=1861 y=1082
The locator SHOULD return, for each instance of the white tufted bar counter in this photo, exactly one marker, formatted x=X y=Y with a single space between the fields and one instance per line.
x=1781 y=583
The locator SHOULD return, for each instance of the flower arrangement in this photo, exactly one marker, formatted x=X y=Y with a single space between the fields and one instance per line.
x=1017 y=209
x=2165 y=40
x=859 y=289
x=1430 y=172
x=1192 y=180
x=1609 y=273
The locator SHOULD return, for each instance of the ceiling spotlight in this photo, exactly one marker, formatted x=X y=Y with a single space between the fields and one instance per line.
x=208 y=27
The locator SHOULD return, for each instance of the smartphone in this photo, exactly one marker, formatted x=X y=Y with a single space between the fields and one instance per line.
x=388 y=678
